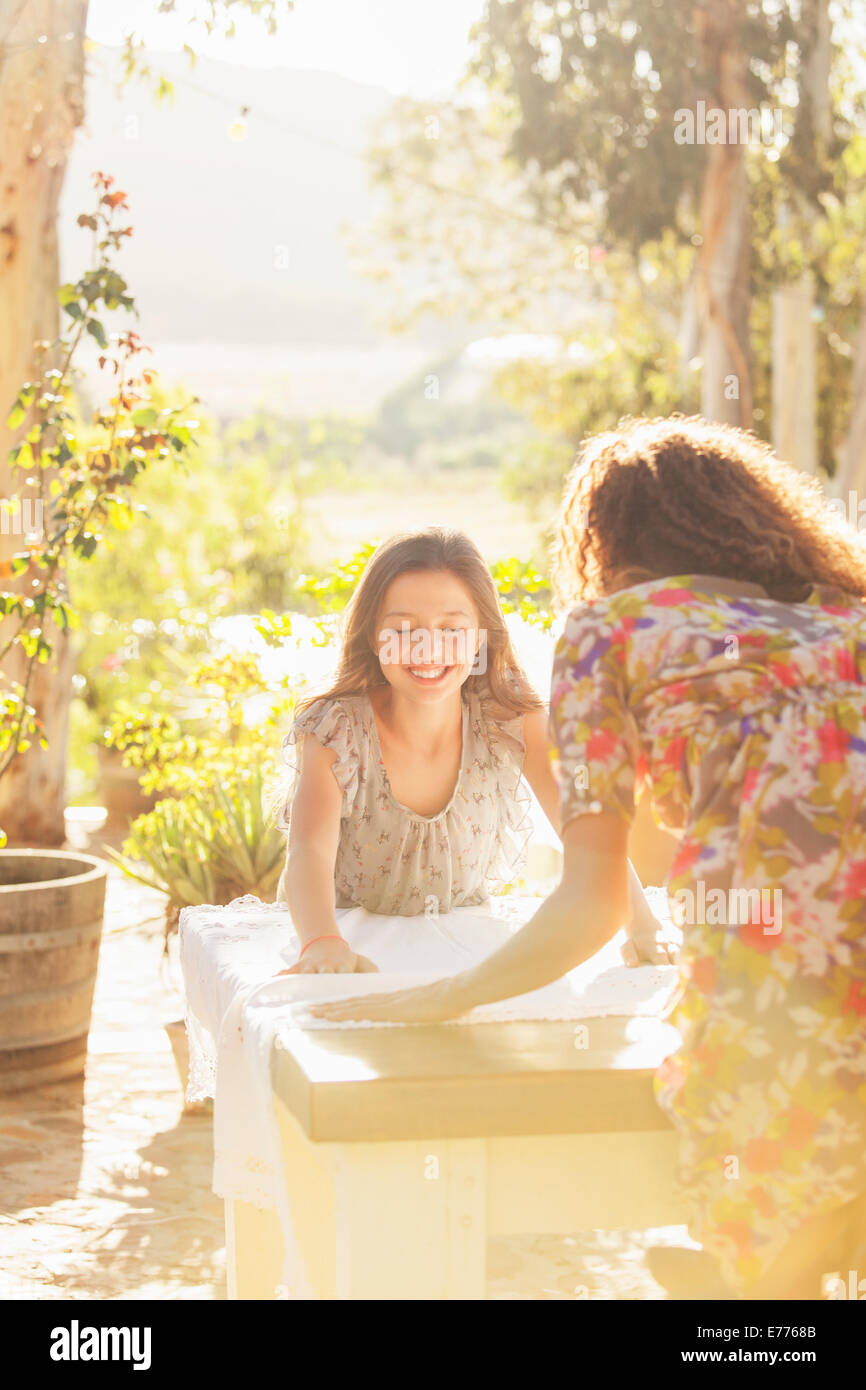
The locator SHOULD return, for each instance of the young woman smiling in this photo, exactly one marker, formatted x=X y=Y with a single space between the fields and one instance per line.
x=411 y=798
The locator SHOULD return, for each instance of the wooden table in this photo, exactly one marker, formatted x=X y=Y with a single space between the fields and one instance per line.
x=405 y=1149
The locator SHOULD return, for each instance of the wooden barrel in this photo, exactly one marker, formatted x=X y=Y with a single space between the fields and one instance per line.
x=51 y=909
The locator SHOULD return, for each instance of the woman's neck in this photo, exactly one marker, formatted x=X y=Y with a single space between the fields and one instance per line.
x=427 y=727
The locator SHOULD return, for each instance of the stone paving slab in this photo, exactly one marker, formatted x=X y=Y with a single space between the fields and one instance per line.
x=105 y=1188
x=105 y=1183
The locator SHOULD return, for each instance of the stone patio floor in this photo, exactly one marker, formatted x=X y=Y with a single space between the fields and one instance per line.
x=105 y=1184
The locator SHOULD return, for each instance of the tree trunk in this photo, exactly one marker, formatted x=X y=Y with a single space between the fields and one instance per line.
x=41 y=104
x=794 y=354
x=851 y=473
x=724 y=259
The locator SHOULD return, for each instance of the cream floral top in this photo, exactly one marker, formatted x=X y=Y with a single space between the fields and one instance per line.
x=394 y=861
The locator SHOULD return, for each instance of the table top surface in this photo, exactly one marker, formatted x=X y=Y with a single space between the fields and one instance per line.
x=480 y=1080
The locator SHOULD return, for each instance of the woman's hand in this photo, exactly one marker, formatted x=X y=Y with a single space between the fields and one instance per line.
x=330 y=957
x=650 y=943
x=432 y=1003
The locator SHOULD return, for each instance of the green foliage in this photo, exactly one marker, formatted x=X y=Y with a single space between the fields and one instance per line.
x=212 y=837
x=215 y=17
x=331 y=592
x=211 y=846
x=545 y=196
x=825 y=239
x=79 y=481
x=522 y=589
x=148 y=600
x=593 y=89
x=266 y=467
x=460 y=233
x=494 y=243
x=534 y=473
x=239 y=716
x=420 y=415
x=225 y=535
x=631 y=364
x=564 y=148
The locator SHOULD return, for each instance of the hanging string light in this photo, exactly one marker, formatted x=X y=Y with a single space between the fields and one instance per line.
x=238 y=130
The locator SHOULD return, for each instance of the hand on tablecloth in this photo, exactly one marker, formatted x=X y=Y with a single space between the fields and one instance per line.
x=433 y=1003
x=653 y=944
x=330 y=957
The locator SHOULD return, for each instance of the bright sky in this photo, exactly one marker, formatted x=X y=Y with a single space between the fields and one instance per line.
x=418 y=47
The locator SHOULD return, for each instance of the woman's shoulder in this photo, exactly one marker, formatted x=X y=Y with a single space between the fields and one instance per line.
x=595 y=616
x=606 y=607
x=495 y=711
x=320 y=705
x=645 y=606
x=335 y=722
x=502 y=726
x=331 y=718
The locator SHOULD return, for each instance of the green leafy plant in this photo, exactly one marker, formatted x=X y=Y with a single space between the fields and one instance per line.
x=224 y=536
x=76 y=479
x=212 y=836
x=215 y=844
x=521 y=586
x=522 y=589
x=332 y=591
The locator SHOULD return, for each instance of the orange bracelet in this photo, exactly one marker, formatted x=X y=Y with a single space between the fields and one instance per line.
x=327 y=937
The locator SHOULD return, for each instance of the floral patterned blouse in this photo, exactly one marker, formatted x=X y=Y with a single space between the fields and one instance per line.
x=394 y=861
x=746 y=719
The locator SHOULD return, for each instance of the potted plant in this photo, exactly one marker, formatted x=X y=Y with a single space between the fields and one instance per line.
x=76 y=479
x=214 y=845
x=211 y=836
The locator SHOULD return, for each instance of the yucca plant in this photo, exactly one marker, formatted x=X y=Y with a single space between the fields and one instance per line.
x=247 y=850
x=215 y=844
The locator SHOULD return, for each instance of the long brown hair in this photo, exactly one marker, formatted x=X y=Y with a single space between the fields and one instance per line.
x=682 y=495
x=358 y=670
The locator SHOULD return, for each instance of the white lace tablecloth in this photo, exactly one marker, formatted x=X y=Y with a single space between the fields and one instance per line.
x=236 y=1010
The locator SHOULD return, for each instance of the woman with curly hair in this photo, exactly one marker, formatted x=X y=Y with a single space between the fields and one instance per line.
x=716 y=652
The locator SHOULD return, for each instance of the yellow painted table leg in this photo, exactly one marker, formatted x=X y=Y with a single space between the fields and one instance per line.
x=254 y=1252
x=411 y=1219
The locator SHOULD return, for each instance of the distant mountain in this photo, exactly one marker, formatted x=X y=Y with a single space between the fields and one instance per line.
x=238 y=242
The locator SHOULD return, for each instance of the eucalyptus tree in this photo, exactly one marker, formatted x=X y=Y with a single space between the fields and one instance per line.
x=43 y=58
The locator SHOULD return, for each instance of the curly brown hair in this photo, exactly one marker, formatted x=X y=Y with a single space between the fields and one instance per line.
x=682 y=495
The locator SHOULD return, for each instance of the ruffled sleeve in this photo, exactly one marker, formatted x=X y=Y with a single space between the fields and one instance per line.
x=507 y=751
x=332 y=724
